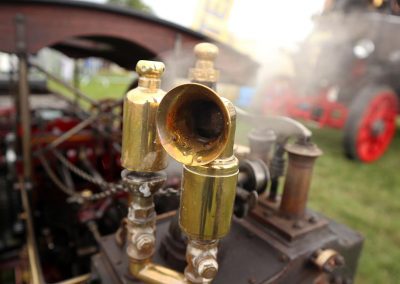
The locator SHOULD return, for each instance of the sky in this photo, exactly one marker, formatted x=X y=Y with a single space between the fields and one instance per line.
x=261 y=28
x=265 y=23
x=178 y=11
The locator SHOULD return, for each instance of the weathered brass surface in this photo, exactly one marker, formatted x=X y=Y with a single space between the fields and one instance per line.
x=140 y=227
x=141 y=219
x=327 y=259
x=195 y=124
x=77 y=280
x=35 y=269
x=201 y=257
x=141 y=148
x=298 y=178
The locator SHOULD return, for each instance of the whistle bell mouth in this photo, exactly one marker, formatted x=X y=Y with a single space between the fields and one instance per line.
x=193 y=124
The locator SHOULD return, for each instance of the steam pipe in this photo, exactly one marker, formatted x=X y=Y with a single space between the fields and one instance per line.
x=283 y=126
x=302 y=157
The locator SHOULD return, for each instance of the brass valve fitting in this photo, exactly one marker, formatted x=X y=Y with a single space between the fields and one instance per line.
x=202 y=261
x=140 y=225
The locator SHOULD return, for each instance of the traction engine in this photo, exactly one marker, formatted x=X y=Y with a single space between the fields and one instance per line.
x=178 y=201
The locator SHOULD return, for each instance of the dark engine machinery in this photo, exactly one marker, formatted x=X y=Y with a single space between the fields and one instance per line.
x=271 y=239
x=231 y=224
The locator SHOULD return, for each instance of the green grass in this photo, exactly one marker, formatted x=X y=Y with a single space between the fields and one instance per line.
x=98 y=87
x=365 y=197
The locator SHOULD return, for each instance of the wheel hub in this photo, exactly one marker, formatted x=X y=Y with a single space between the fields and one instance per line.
x=378 y=127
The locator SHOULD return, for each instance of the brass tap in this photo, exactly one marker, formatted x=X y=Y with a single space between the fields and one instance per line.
x=141 y=148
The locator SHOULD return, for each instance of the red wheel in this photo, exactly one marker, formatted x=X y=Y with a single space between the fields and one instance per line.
x=371 y=124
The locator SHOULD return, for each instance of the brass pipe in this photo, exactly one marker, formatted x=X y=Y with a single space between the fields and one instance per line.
x=152 y=273
x=302 y=157
x=34 y=261
x=25 y=117
x=77 y=280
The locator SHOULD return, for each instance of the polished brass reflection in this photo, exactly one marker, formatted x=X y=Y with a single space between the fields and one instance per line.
x=141 y=148
x=152 y=273
x=207 y=198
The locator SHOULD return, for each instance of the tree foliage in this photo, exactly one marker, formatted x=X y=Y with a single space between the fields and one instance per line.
x=134 y=4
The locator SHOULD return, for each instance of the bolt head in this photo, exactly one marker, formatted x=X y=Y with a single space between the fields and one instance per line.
x=208 y=268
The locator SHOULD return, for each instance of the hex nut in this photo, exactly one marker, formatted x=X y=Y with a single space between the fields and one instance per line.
x=145 y=243
x=143 y=213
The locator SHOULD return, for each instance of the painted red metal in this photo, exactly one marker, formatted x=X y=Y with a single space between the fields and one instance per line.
x=381 y=113
x=282 y=98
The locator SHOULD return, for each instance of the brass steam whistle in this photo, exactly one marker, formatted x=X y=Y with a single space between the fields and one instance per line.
x=197 y=128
